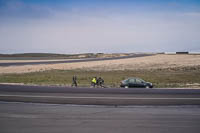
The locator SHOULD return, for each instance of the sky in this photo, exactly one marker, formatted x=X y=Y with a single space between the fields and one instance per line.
x=99 y=26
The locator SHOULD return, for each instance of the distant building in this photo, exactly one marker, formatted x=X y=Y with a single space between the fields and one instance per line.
x=170 y=52
x=161 y=53
x=195 y=53
x=182 y=52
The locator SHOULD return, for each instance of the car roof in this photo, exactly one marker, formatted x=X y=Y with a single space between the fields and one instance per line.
x=131 y=78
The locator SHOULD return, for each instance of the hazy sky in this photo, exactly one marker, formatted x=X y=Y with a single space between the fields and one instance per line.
x=108 y=26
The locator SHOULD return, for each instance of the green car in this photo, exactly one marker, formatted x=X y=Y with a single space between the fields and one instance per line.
x=135 y=83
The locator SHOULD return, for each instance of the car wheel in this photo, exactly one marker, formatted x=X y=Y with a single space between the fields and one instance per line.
x=147 y=86
x=126 y=87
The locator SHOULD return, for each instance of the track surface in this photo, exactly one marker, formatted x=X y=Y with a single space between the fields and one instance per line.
x=99 y=96
x=18 y=117
x=71 y=61
x=55 y=118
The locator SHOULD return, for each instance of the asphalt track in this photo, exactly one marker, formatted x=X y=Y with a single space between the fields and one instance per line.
x=62 y=118
x=98 y=96
x=23 y=109
x=71 y=61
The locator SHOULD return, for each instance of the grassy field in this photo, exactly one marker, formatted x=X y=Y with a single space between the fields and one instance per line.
x=162 y=70
x=185 y=77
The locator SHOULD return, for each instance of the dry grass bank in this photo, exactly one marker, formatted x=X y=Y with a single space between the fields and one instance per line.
x=141 y=63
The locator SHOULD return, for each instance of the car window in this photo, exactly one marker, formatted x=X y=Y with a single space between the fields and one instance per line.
x=139 y=81
x=131 y=80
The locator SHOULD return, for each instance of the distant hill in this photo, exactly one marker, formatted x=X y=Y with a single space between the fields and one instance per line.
x=34 y=55
x=38 y=56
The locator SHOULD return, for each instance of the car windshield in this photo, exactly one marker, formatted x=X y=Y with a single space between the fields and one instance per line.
x=139 y=81
x=126 y=80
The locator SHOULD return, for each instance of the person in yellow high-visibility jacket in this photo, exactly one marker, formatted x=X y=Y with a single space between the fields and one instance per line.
x=94 y=82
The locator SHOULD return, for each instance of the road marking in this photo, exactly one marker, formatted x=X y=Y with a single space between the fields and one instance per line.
x=114 y=98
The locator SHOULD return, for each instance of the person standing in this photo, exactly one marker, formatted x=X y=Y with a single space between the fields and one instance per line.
x=101 y=82
x=94 y=82
x=74 y=81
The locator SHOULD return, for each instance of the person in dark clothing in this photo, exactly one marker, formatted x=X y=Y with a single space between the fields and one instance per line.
x=74 y=81
x=100 y=82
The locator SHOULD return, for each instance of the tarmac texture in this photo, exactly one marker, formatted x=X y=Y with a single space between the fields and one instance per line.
x=99 y=96
x=61 y=118
x=71 y=61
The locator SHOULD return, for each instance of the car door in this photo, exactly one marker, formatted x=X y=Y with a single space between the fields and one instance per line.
x=139 y=83
x=132 y=82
